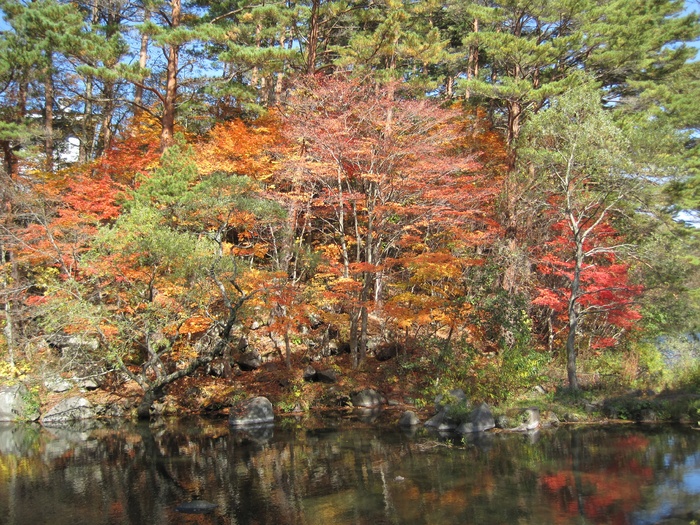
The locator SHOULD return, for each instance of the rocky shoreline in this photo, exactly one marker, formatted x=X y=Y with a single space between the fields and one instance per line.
x=451 y=413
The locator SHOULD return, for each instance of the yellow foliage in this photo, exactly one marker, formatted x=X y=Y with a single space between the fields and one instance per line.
x=432 y=272
x=194 y=325
x=18 y=372
x=234 y=147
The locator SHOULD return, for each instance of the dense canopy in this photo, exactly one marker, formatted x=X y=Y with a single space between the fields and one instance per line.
x=437 y=181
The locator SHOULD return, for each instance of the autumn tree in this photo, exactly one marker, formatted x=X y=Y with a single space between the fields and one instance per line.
x=381 y=173
x=169 y=266
x=579 y=158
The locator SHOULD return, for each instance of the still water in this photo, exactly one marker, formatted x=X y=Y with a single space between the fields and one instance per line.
x=337 y=472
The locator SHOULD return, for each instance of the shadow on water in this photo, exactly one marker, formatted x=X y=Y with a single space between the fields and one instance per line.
x=345 y=471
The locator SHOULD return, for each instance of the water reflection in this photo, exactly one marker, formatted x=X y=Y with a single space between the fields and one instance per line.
x=341 y=472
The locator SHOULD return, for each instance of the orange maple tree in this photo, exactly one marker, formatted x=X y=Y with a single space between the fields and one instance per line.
x=387 y=179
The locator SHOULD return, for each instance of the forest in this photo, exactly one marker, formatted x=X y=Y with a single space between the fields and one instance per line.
x=493 y=195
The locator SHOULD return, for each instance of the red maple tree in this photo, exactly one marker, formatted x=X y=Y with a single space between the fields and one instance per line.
x=386 y=180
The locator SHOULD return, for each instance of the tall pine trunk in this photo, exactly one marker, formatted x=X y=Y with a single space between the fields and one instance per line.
x=143 y=61
x=48 y=115
x=170 y=98
x=312 y=42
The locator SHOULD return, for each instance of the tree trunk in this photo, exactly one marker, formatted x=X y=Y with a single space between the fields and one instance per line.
x=278 y=85
x=312 y=43
x=85 y=147
x=48 y=116
x=11 y=161
x=254 y=72
x=354 y=330
x=143 y=411
x=473 y=60
x=85 y=144
x=287 y=349
x=515 y=110
x=143 y=61
x=362 y=343
x=574 y=316
x=571 y=352
x=9 y=323
x=169 y=101
x=108 y=111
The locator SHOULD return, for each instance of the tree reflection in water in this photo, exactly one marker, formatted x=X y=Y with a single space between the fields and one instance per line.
x=341 y=472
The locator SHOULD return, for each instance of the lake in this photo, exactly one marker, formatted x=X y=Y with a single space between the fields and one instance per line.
x=343 y=471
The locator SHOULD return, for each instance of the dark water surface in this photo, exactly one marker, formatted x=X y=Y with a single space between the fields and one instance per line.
x=342 y=472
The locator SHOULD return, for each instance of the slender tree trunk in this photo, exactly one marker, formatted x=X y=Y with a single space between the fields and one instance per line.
x=168 y=120
x=85 y=147
x=364 y=321
x=354 y=337
x=85 y=144
x=279 y=80
x=341 y=225
x=9 y=321
x=10 y=159
x=574 y=314
x=169 y=103
x=473 y=59
x=143 y=61
x=287 y=349
x=48 y=115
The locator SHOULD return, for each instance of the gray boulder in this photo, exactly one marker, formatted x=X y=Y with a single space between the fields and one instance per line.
x=549 y=420
x=249 y=361
x=74 y=344
x=69 y=410
x=326 y=376
x=451 y=411
x=441 y=422
x=86 y=383
x=309 y=374
x=531 y=419
x=58 y=384
x=367 y=415
x=387 y=351
x=322 y=376
x=409 y=419
x=525 y=421
x=254 y=411
x=480 y=420
x=367 y=398
x=454 y=398
x=504 y=422
x=16 y=404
